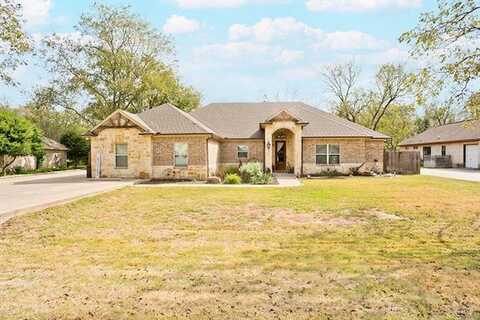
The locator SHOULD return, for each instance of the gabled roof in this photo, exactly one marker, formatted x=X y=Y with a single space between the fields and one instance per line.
x=284 y=115
x=460 y=131
x=121 y=117
x=49 y=144
x=168 y=119
x=241 y=120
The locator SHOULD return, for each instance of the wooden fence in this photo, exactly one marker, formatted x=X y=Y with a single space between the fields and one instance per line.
x=402 y=162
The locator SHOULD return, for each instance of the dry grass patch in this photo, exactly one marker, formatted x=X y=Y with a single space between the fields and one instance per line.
x=354 y=248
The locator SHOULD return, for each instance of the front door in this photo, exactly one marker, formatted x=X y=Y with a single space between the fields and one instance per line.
x=280 y=155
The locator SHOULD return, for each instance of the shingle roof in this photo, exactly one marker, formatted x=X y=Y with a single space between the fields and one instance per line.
x=49 y=144
x=167 y=119
x=241 y=120
x=459 y=131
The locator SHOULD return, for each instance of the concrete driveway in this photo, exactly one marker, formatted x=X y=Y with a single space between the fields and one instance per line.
x=459 y=174
x=28 y=193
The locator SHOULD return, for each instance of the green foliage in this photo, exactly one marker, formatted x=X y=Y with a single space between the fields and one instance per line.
x=449 y=36
x=250 y=170
x=78 y=146
x=18 y=137
x=399 y=124
x=229 y=170
x=253 y=173
x=54 y=113
x=13 y=40
x=118 y=61
x=232 y=178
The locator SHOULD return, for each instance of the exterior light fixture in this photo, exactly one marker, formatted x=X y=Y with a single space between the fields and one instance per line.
x=269 y=145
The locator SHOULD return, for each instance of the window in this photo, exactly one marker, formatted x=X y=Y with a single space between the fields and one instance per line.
x=415 y=148
x=181 y=154
x=121 y=156
x=242 y=152
x=444 y=151
x=427 y=151
x=327 y=154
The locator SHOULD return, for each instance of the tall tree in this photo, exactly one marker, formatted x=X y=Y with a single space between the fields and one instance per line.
x=367 y=106
x=13 y=40
x=54 y=112
x=342 y=81
x=18 y=137
x=114 y=61
x=398 y=123
x=449 y=40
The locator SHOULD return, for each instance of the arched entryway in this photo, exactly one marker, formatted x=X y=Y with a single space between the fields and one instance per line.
x=283 y=155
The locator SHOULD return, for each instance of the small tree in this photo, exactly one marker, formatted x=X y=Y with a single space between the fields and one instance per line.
x=18 y=137
x=78 y=146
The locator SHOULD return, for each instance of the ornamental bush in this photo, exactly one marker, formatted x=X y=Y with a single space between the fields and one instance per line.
x=232 y=178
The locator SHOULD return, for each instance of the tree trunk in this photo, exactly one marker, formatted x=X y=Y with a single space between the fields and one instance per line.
x=5 y=166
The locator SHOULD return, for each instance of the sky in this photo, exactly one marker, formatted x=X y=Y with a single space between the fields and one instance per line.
x=246 y=50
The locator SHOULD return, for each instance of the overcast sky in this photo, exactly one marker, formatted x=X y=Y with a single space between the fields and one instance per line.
x=240 y=50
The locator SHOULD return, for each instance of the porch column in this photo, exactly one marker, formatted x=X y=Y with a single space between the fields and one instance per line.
x=268 y=150
x=298 y=151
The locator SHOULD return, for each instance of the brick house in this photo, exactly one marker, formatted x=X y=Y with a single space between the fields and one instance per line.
x=168 y=143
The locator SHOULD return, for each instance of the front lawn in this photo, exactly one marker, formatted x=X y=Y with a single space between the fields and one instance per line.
x=374 y=248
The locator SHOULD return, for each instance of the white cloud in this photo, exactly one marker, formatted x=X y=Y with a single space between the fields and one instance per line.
x=232 y=50
x=343 y=40
x=36 y=11
x=195 y=4
x=359 y=5
x=179 y=24
x=199 y=4
x=268 y=29
x=289 y=56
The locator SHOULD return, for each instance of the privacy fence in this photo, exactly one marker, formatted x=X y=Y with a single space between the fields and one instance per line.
x=402 y=162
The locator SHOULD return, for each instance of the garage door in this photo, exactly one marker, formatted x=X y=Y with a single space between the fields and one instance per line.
x=471 y=156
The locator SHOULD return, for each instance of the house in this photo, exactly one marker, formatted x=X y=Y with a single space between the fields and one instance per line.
x=168 y=143
x=55 y=156
x=451 y=145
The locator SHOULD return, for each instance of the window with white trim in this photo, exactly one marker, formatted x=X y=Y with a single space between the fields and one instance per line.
x=181 y=154
x=121 y=156
x=242 y=152
x=327 y=154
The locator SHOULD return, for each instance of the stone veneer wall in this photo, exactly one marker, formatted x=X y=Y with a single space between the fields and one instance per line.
x=139 y=153
x=228 y=152
x=164 y=157
x=353 y=152
x=54 y=158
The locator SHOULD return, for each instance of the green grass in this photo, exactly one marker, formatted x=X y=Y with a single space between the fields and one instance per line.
x=372 y=248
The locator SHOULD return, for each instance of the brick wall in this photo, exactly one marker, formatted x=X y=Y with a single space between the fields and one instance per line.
x=229 y=154
x=139 y=153
x=164 y=158
x=353 y=152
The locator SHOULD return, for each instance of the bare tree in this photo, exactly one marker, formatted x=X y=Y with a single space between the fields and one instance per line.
x=341 y=80
x=393 y=84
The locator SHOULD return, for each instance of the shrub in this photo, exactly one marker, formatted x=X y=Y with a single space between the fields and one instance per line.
x=263 y=178
x=232 y=178
x=229 y=170
x=249 y=171
x=20 y=170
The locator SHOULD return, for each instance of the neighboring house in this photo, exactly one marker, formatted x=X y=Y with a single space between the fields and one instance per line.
x=457 y=143
x=167 y=143
x=55 y=156
x=55 y=153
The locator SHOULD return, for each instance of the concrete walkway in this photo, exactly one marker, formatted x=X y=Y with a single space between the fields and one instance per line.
x=21 y=194
x=287 y=180
x=459 y=174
